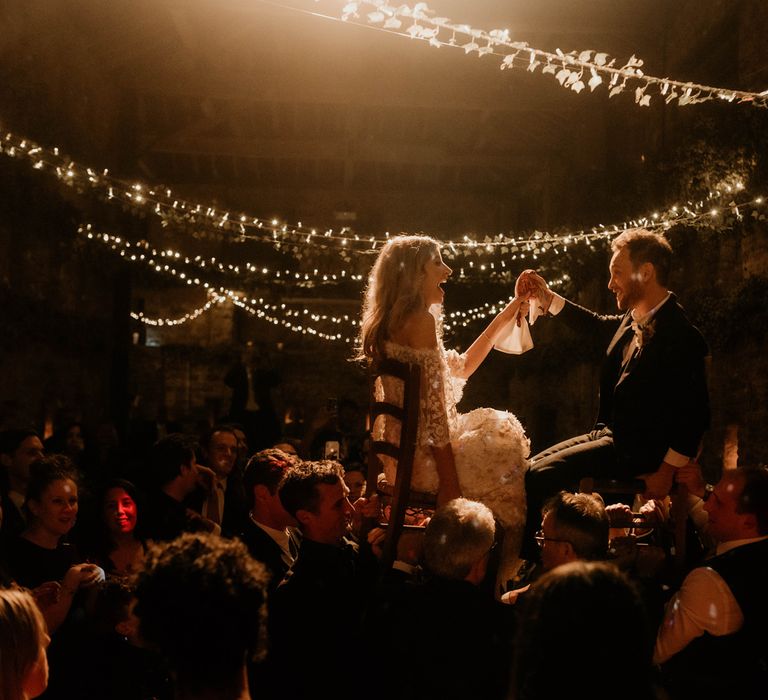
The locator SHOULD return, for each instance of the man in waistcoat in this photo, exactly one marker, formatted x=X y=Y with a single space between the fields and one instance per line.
x=713 y=638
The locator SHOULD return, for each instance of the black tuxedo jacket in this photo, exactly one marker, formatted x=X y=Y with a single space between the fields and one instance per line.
x=235 y=513
x=660 y=400
x=264 y=549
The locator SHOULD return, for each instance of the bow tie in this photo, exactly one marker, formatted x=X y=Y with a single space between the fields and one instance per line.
x=643 y=331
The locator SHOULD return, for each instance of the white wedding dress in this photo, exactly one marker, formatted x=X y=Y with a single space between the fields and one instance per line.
x=490 y=447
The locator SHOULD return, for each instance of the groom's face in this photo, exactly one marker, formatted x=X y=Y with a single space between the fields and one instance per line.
x=625 y=282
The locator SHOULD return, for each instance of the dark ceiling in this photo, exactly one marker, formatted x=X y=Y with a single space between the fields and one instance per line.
x=281 y=113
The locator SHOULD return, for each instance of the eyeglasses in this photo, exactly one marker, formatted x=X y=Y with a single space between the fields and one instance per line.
x=540 y=539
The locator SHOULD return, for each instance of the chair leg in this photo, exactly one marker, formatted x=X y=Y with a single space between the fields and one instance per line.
x=679 y=513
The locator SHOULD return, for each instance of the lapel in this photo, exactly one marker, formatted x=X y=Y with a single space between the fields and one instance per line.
x=624 y=326
x=659 y=318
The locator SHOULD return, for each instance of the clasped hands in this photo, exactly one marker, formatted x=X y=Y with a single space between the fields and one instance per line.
x=531 y=285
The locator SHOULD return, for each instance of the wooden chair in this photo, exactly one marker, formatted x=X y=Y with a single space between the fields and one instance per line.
x=678 y=510
x=399 y=494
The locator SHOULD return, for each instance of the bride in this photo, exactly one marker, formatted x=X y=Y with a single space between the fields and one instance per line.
x=480 y=455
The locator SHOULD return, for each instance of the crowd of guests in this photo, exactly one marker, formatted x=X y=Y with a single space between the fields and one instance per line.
x=211 y=572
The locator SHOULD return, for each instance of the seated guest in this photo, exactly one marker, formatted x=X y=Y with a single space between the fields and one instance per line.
x=200 y=601
x=462 y=639
x=18 y=450
x=712 y=640
x=23 y=639
x=121 y=549
x=582 y=633
x=270 y=533
x=177 y=475
x=40 y=554
x=223 y=501
x=324 y=595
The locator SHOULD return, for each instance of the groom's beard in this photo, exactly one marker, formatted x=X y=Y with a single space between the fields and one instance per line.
x=629 y=297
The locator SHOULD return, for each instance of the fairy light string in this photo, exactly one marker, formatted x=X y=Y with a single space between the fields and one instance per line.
x=299 y=240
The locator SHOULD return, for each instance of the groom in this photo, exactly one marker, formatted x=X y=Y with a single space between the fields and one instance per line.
x=654 y=406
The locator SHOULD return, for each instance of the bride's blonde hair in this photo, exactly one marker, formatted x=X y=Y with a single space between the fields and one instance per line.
x=394 y=291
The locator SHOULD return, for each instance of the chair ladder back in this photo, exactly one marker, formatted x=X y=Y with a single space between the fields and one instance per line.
x=403 y=453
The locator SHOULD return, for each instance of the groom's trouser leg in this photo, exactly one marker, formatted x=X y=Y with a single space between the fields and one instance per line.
x=561 y=467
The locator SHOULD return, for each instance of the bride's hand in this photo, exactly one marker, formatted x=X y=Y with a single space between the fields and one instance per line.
x=531 y=284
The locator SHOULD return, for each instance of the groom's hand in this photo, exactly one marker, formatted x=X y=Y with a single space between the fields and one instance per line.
x=531 y=284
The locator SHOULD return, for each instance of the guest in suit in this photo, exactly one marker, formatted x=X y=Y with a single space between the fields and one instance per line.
x=462 y=641
x=176 y=475
x=712 y=642
x=222 y=501
x=654 y=405
x=321 y=602
x=270 y=532
x=252 y=379
x=19 y=449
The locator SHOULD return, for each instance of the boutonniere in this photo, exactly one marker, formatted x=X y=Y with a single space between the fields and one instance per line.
x=644 y=332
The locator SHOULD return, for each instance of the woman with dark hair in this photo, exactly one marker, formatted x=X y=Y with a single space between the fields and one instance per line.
x=41 y=554
x=121 y=550
x=583 y=633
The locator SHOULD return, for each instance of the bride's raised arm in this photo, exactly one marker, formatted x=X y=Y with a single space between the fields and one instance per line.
x=479 y=350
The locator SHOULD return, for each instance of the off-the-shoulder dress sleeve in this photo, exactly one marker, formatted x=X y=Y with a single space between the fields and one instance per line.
x=455 y=363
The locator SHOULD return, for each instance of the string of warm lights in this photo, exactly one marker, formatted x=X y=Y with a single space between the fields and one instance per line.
x=257 y=307
x=295 y=239
x=500 y=269
x=214 y=300
x=294 y=320
x=575 y=70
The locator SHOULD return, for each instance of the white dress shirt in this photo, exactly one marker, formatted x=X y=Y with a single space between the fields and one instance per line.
x=704 y=603
x=281 y=538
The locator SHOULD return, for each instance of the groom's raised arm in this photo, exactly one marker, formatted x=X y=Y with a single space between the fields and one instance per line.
x=599 y=329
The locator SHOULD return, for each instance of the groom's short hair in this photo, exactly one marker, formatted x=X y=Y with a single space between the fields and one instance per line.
x=646 y=247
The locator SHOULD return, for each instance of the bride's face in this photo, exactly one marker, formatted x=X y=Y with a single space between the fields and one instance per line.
x=435 y=273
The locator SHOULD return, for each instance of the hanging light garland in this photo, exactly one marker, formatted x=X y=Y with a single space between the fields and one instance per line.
x=342 y=245
x=214 y=300
x=575 y=70
x=293 y=320
x=704 y=213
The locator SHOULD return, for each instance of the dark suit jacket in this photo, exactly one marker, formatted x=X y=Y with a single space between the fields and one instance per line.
x=318 y=609
x=441 y=639
x=235 y=513
x=262 y=382
x=661 y=401
x=264 y=549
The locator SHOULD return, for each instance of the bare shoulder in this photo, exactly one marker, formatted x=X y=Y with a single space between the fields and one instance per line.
x=418 y=331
